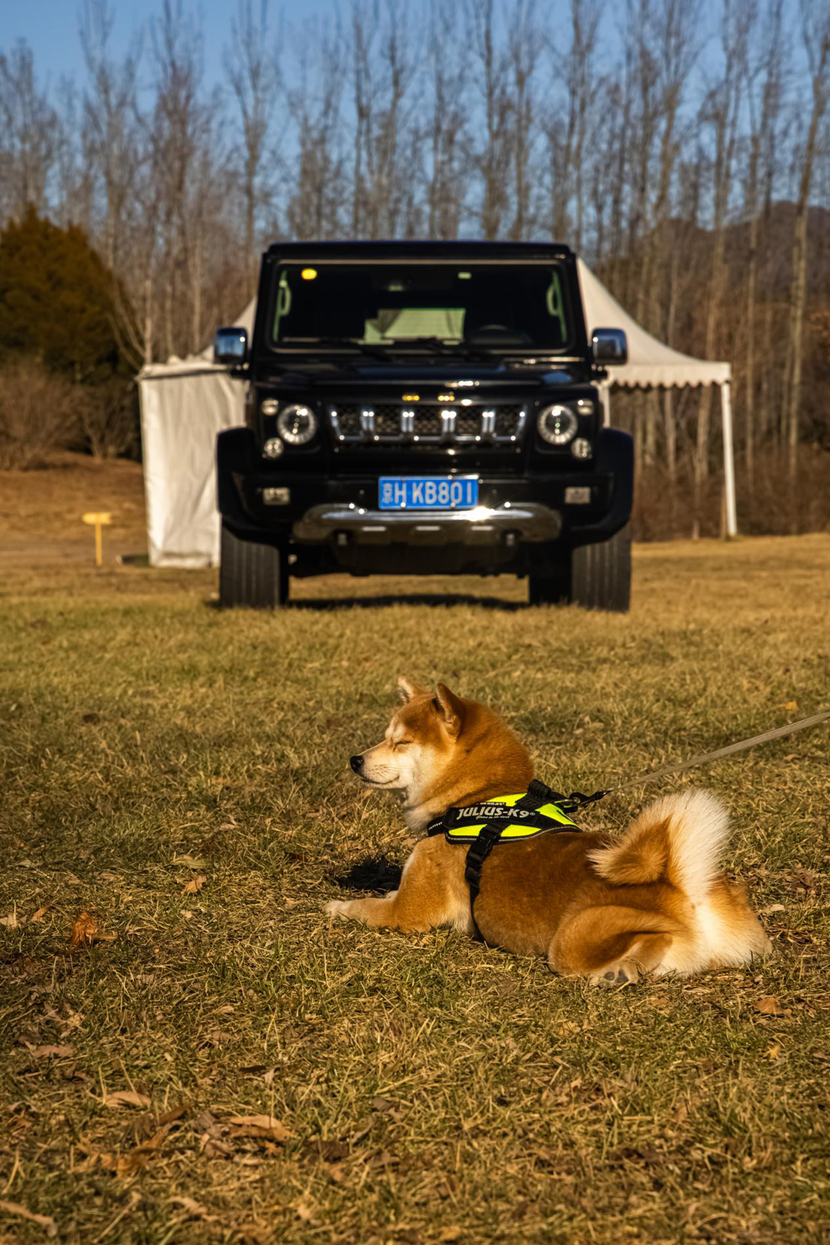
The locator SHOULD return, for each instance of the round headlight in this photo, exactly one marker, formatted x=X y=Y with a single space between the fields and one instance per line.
x=297 y=424
x=557 y=425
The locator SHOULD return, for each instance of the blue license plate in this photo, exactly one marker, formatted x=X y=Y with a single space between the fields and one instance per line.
x=427 y=492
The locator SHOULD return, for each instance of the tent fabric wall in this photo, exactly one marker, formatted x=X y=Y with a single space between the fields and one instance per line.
x=180 y=417
x=184 y=404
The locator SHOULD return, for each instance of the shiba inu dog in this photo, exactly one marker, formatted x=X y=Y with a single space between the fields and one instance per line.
x=652 y=901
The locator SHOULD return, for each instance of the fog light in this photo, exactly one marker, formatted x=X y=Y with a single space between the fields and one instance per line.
x=581 y=448
x=270 y=406
x=273 y=447
x=276 y=496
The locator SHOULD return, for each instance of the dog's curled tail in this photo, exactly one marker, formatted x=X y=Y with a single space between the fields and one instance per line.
x=678 y=839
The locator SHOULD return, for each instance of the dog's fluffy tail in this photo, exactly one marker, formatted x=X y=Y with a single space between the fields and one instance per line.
x=677 y=839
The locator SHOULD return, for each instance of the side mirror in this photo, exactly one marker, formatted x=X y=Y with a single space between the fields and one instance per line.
x=230 y=347
x=609 y=347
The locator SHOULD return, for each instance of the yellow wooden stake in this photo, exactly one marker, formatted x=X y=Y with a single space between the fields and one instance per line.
x=100 y=519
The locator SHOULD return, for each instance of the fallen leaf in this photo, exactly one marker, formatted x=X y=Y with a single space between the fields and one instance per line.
x=804 y=879
x=51 y=1052
x=450 y=1234
x=39 y=915
x=191 y=1206
x=215 y=1149
x=155 y=1142
x=126 y=1098
x=773 y=1052
x=218 y=1037
x=87 y=931
x=269 y=1124
x=116 y=1164
x=194 y=885
x=190 y=862
x=382 y=1104
x=175 y=1113
x=45 y=1221
x=768 y=1006
x=203 y=1121
x=305 y=1212
x=773 y=907
x=12 y=921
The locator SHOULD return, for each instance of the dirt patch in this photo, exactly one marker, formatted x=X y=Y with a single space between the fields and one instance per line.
x=41 y=510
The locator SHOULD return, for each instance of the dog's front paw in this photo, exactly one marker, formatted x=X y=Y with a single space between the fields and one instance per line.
x=337 y=907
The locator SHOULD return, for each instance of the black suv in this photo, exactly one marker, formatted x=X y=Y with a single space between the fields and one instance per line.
x=423 y=408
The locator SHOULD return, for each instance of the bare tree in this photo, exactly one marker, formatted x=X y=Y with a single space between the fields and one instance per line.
x=253 y=74
x=492 y=156
x=447 y=137
x=523 y=50
x=763 y=94
x=29 y=135
x=109 y=118
x=815 y=20
x=315 y=206
x=720 y=114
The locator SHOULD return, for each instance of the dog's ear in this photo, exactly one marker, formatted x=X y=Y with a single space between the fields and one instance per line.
x=408 y=689
x=451 y=710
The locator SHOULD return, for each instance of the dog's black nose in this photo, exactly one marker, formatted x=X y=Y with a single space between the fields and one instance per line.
x=356 y=764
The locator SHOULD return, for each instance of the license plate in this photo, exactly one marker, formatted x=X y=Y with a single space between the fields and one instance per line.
x=427 y=492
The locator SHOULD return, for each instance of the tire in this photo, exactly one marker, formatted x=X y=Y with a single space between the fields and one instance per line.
x=601 y=574
x=251 y=574
x=597 y=577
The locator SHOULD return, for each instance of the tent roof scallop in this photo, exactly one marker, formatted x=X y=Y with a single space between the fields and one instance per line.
x=650 y=362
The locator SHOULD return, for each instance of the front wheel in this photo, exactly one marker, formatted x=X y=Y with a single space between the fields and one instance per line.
x=251 y=573
x=601 y=574
x=597 y=577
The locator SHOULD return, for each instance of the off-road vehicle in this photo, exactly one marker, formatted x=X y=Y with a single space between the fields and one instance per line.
x=423 y=408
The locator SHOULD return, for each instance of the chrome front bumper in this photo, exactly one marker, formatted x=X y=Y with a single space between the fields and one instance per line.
x=513 y=522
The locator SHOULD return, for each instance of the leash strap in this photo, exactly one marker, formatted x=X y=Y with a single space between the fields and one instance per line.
x=577 y=800
x=778 y=732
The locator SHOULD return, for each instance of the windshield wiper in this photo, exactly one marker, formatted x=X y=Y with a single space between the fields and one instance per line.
x=457 y=349
x=348 y=343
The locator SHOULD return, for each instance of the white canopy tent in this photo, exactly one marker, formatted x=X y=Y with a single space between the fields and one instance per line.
x=186 y=402
x=653 y=365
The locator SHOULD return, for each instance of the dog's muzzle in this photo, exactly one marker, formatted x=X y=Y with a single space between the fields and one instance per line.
x=356 y=763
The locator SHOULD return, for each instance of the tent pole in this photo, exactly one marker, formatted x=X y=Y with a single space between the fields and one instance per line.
x=605 y=399
x=728 y=459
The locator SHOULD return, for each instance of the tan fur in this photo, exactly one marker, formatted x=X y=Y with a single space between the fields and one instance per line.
x=653 y=901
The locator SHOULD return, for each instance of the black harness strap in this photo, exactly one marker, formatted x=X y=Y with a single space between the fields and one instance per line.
x=538 y=793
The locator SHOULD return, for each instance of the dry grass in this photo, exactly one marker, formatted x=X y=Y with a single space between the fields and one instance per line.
x=434 y=1090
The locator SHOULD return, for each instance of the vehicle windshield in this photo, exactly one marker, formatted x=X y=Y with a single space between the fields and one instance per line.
x=486 y=306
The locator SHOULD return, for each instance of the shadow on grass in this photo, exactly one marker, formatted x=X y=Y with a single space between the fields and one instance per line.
x=375 y=874
x=446 y=600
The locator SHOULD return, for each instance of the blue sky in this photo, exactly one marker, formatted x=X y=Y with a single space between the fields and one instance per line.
x=50 y=27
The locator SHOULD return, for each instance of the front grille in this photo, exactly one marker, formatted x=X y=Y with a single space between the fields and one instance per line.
x=427 y=422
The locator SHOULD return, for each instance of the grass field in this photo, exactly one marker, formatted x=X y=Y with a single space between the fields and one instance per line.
x=224 y=1066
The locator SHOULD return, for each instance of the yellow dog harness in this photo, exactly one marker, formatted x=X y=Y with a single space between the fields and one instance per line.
x=504 y=819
